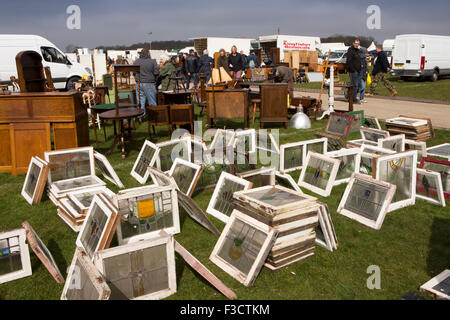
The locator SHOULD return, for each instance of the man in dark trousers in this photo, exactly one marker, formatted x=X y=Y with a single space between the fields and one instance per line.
x=380 y=69
x=354 y=67
x=191 y=64
x=206 y=62
x=149 y=72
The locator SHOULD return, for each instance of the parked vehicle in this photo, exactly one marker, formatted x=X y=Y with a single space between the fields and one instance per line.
x=420 y=55
x=64 y=71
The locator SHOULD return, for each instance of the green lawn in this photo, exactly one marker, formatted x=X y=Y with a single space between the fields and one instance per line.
x=412 y=246
x=419 y=89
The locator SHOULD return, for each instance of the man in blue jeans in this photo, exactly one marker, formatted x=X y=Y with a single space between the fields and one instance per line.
x=149 y=72
x=191 y=64
x=354 y=67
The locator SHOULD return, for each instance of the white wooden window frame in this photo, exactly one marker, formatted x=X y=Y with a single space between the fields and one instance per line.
x=24 y=256
x=168 y=241
x=304 y=145
x=260 y=171
x=113 y=177
x=224 y=176
x=364 y=130
x=412 y=199
x=246 y=280
x=421 y=144
x=430 y=150
x=376 y=121
x=438 y=182
x=326 y=230
x=94 y=275
x=289 y=179
x=361 y=142
x=157 y=175
x=142 y=191
x=400 y=138
x=98 y=183
x=243 y=133
x=96 y=190
x=346 y=152
x=323 y=192
x=257 y=204
x=198 y=169
x=47 y=155
x=174 y=142
x=371 y=156
x=134 y=174
x=384 y=208
x=108 y=211
x=417 y=122
x=428 y=286
x=272 y=141
x=43 y=166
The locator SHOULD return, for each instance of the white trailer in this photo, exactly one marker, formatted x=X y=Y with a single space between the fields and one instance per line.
x=421 y=55
x=289 y=43
x=214 y=44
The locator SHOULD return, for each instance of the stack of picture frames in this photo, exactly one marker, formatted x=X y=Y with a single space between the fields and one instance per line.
x=414 y=128
x=366 y=200
x=99 y=227
x=398 y=169
x=443 y=168
x=293 y=155
x=319 y=173
x=325 y=233
x=35 y=180
x=350 y=162
x=292 y=214
x=438 y=286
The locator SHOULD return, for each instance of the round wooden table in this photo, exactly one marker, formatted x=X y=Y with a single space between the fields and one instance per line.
x=121 y=115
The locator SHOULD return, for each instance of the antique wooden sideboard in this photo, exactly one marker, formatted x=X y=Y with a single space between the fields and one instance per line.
x=34 y=122
x=228 y=104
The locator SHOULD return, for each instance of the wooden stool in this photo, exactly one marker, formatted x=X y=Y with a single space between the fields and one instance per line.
x=158 y=116
x=182 y=114
x=255 y=102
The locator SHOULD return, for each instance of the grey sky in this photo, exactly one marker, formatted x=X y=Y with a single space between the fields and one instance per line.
x=126 y=22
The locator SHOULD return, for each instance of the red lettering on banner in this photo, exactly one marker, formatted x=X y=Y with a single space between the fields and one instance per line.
x=296 y=45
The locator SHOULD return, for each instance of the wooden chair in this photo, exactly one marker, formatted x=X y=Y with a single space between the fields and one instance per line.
x=273 y=103
x=182 y=114
x=256 y=103
x=158 y=116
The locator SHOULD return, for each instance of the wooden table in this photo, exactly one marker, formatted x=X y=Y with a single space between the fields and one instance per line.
x=228 y=104
x=121 y=115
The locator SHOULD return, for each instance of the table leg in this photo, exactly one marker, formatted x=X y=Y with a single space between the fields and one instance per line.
x=350 y=99
x=114 y=144
x=122 y=138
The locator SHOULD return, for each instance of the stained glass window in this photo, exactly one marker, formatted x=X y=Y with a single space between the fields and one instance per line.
x=69 y=165
x=10 y=260
x=317 y=172
x=93 y=229
x=184 y=176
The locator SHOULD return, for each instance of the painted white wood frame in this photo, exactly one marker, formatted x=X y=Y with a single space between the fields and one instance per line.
x=196 y=167
x=181 y=144
x=224 y=177
x=375 y=120
x=384 y=208
x=399 y=139
x=436 y=177
x=269 y=136
x=335 y=167
x=49 y=154
x=271 y=234
x=432 y=150
x=94 y=276
x=288 y=179
x=160 y=178
x=326 y=225
x=111 y=173
x=58 y=187
x=167 y=241
x=304 y=145
x=405 y=121
x=399 y=157
x=96 y=190
x=365 y=133
x=140 y=192
x=142 y=177
x=14 y=241
x=346 y=152
x=430 y=284
x=251 y=133
x=420 y=146
x=40 y=181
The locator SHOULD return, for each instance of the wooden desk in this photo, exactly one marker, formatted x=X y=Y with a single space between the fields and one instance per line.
x=175 y=97
x=28 y=120
x=229 y=104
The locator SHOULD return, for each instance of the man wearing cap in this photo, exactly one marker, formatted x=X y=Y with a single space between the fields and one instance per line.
x=148 y=73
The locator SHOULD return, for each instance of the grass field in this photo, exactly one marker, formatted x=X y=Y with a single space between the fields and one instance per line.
x=418 y=89
x=412 y=246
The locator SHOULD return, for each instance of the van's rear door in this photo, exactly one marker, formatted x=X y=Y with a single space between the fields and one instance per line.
x=407 y=52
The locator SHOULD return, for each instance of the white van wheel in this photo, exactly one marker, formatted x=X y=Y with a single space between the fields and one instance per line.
x=434 y=76
x=71 y=82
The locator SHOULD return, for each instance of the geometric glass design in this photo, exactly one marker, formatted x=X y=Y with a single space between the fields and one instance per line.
x=70 y=164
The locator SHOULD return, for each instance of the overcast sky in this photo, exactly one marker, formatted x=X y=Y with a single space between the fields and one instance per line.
x=126 y=22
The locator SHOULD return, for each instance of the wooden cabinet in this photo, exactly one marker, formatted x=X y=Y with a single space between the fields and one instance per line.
x=274 y=103
x=27 y=140
x=28 y=120
x=229 y=104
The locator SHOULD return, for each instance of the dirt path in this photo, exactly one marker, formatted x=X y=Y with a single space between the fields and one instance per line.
x=389 y=108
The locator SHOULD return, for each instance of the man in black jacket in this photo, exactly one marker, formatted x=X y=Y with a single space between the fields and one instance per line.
x=354 y=67
x=191 y=64
x=380 y=69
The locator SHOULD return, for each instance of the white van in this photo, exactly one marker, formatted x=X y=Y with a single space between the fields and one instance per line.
x=64 y=71
x=420 y=55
